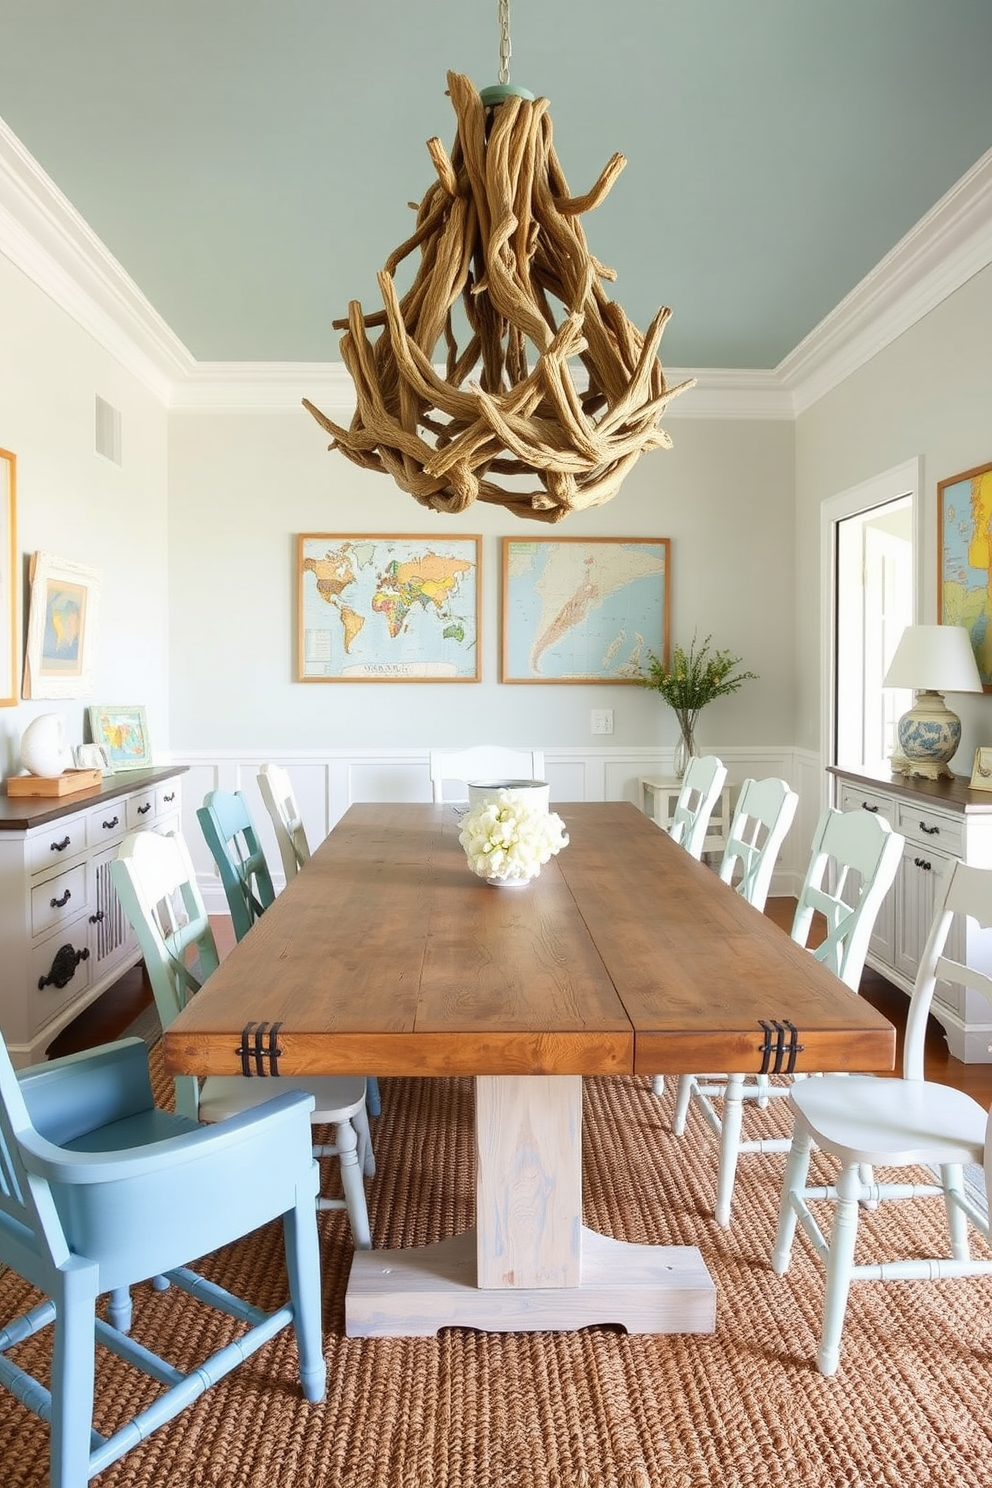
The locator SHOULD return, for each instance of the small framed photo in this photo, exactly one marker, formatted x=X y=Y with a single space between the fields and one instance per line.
x=122 y=732
x=58 y=661
x=981 y=770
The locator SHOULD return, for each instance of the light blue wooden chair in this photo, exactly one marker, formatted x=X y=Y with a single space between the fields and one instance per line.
x=156 y=884
x=100 y=1191
x=234 y=846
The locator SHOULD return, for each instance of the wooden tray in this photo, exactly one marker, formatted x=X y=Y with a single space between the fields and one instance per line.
x=65 y=784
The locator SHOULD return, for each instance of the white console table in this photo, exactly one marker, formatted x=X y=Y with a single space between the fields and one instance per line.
x=658 y=797
x=64 y=937
x=940 y=820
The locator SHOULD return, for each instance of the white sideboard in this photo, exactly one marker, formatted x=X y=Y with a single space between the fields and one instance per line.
x=64 y=937
x=940 y=820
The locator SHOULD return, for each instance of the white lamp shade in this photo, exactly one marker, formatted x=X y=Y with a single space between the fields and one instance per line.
x=936 y=658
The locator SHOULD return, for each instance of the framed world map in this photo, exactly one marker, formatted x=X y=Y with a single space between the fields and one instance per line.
x=374 y=608
x=579 y=609
x=964 y=578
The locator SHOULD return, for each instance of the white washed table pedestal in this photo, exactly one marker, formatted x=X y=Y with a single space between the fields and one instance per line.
x=529 y=1263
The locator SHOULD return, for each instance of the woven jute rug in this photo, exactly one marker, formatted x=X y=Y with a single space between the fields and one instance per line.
x=741 y=1408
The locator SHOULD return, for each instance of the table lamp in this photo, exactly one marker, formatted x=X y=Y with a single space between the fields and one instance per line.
x=931 y=659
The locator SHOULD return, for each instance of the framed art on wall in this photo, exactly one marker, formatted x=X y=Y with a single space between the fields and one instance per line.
x=58 y=661
x=964 y=573
x=9 y=646
x=580 y=609
x=378 y=608
x=121 y=733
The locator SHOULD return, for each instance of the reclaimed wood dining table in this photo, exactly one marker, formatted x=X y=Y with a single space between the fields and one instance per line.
x=387 y=955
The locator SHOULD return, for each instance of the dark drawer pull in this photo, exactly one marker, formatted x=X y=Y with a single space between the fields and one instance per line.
x=60 y=846
x=96 y=918
x=67 y=958
x=144 y=810
x=866 y=807
x=169 y=798
x=930 y=831
x=60 y=903
x=114 y=821
x=922 y=863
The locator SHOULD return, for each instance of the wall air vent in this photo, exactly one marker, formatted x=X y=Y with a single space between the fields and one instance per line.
x=108 y=430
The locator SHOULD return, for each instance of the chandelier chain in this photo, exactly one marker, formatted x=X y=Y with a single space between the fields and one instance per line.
x=505 y=50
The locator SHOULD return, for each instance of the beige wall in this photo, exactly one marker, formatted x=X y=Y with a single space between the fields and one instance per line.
x=928 y=395
x=242 y=486
x=82 y=507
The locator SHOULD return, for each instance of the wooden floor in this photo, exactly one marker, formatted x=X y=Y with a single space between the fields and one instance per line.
x=121 y=1004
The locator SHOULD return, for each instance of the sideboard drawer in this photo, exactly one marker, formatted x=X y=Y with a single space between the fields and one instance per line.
x=57 y=844
x=107 y=824
x=167 y=799
x=61 y=969
x=855 y=798
x=934 y=829
x=58 y=899
x=140 y=810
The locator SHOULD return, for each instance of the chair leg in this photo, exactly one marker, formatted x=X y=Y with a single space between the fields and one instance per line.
x=730 y=1141
x=952 y=1179
x=303 y=1265
x=346 y=1141
x=73 y=1367
x=373 y=1100
x=119 y=1309
x=840 y=1260
x=657 y=1084
x=683 y=1098
x=796 y=1172
x=366 y=1156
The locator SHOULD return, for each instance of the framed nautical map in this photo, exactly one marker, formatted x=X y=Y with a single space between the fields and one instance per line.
x=964 y=574
x=376 y=608
x=581 y=609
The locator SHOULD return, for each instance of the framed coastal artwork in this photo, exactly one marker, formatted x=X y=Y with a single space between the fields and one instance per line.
x=120 y=733
x=65 y=596
x=580 y=609
x=964 y=573
x=9 y=646
x=378 y=608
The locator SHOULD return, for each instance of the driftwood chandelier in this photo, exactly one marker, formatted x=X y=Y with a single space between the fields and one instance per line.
x=498 y=233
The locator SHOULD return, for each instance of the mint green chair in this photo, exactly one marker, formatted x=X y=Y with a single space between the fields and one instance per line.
x=99 y=1192
x=234 y=846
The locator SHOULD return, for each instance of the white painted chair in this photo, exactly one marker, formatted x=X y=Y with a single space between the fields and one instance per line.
x=852 y=866
x=701 y=787
x=276 y=790
x=483 y=762
x=867 y=1122
x=764 y=813
x=156 y=884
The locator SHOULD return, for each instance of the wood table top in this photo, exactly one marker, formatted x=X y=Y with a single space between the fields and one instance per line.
x=387 y=954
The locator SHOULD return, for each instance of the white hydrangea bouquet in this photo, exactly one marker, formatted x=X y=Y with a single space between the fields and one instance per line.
x=506 y=841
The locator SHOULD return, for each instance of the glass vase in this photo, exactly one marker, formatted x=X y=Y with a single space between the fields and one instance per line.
x=685 y=748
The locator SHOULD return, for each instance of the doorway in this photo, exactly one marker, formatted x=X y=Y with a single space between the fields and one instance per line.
x=869 y=597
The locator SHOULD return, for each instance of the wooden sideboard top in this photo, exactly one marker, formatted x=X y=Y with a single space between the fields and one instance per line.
x=952 y=795
x=21 y=813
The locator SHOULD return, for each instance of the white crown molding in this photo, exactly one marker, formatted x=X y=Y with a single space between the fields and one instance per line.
x=45 y=237
x=945 y=249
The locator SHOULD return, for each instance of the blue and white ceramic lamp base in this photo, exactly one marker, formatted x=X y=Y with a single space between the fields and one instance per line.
x=929 y=735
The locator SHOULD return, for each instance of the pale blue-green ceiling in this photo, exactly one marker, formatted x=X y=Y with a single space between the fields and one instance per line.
x=249 y=162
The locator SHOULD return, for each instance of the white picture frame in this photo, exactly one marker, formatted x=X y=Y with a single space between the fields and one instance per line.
x=62 y=620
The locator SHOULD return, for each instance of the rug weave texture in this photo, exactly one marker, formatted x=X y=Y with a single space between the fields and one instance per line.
x=741 y=1408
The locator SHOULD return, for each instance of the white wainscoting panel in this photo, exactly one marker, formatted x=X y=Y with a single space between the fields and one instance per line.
x=327 y=783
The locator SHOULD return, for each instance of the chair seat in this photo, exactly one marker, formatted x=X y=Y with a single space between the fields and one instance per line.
x=337 y=1097
x=891 y=1123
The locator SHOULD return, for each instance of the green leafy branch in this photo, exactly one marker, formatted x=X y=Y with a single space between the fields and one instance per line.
x=695 y=677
